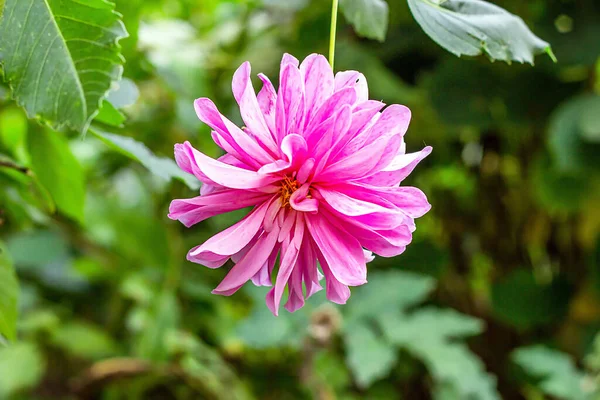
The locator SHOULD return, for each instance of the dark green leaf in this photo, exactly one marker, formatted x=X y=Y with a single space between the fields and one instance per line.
x=521 y=301
x=474 y=27
x=161 y=166
x=59 y=171
x=9 y=295
x=61 y=56
x=369 y=17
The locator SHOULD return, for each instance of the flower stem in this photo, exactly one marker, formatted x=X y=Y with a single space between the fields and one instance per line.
x=334 y=12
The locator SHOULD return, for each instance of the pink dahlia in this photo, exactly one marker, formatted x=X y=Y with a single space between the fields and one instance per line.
x=321 y=165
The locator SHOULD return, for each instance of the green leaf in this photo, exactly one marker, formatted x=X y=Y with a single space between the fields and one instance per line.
x=573 y=134
x=160 y=166
x=109 y=115
x=474 y=27
x=369 y=17
x=21 y=367
x=402 y=290
x=162 y=319
x=9 y=295
x=557 y=372
x=61 y=56
x=522 y=302
x=431 y=324
x=59 y=171
x=369 y=357
x=428 y=334
x=91 y=341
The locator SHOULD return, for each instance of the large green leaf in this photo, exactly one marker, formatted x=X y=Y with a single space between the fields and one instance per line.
x=368 y=356
x=61 y=56
x=59 y=171
x=9 y=293
x=369 y=17
x=429 y=334
x=558 y=374
x=160 y=166
x=474 y=27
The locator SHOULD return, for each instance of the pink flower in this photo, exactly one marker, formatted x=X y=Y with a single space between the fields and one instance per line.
x=321 y=165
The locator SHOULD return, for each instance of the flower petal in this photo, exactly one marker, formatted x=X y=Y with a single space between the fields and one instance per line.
x=342 y=252
x=400 y=167
x=355 y=80
x=249 y=108
x=225 y=174
x=191 y=211
x=249 y=265
x=318 y=82
x=230 y=241
x=290 y=102
x=246 y=146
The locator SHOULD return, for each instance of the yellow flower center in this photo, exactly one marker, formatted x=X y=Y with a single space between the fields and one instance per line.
x=288 y=186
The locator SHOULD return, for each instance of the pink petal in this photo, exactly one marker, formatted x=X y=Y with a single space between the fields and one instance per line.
x=372 y=214
x=249 y=265
x=300 y=202
x=249 y=108
x=267 y=97
x=225 y=174
x=336 y=291
x=342 y=252
x=294 y=149
x=246 y=146
x=327 y=110
x=318 y=82
x=368 y=160
x=400 y=167
x=290 y=102
x=229 y=241
x=355 y=80
x=191 y=211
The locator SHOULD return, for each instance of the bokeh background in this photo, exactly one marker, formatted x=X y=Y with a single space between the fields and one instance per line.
x=498 y=297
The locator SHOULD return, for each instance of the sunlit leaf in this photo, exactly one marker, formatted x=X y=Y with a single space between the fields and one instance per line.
x=21 y=367
x=60 y=57
x=9 y=294
x=474 y=27
x=369 y=17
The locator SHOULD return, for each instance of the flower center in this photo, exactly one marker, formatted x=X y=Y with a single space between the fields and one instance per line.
x=288 y=186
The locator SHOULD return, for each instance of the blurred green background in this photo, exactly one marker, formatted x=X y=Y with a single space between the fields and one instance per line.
x=497 y=298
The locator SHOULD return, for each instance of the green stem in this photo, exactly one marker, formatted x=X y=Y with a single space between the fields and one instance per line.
x=334 y=12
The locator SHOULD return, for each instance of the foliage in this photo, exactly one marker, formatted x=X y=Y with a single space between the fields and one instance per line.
x=555 y=370
x=504 y=266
